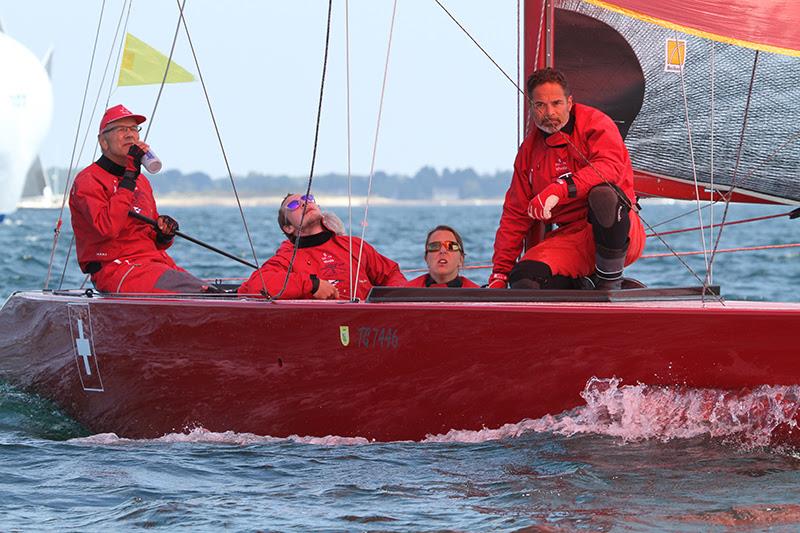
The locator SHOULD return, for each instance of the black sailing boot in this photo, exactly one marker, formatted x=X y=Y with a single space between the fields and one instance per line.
x=609 y=264
x=608 y=215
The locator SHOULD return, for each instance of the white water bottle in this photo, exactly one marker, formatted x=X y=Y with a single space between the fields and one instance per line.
x=151 y=162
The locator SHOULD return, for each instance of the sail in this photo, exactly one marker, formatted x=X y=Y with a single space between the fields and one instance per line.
x=770 y=26
x=705 y=78
x=26 y=106
x=35 y=182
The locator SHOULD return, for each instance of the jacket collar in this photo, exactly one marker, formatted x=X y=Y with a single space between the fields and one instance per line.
x=309 y=241
x=554 y=139
x=110 y=167
x=453 y=283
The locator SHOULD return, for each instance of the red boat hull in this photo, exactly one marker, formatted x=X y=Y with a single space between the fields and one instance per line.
x=145 y=367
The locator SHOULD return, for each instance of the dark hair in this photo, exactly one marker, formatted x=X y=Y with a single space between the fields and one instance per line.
x=442 y=227
x=283 y=220
x=546 y=75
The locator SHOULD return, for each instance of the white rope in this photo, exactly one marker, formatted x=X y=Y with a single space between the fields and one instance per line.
x=354 y=287
x=57 y=230
x=67 y=185
x=682 y=62
x=711 y=162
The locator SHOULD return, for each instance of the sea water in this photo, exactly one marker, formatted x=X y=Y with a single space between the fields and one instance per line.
x=632 y=458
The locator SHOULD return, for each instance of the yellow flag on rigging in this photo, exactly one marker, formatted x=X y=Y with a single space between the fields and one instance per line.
x=143 y=65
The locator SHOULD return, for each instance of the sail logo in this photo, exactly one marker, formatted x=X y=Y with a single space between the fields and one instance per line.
x=80 y=326
x=674 y=55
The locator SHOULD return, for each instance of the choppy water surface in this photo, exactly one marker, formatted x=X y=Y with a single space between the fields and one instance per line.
x=633 y=458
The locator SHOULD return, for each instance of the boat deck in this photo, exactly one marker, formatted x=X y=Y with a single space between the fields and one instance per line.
x=681 y=298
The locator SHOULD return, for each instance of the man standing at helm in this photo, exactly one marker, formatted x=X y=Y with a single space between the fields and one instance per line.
x=121 y=253
x=573 y=171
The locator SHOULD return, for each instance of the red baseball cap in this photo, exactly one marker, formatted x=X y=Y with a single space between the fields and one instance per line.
x=117 y=112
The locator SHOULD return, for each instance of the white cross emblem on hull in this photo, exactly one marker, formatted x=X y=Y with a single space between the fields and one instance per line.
x=80 y=325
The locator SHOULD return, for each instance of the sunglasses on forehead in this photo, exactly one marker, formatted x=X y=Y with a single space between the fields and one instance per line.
x=294 y=204
x=435 y=246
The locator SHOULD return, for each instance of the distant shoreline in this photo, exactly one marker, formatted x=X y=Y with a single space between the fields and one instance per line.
x=184 y=200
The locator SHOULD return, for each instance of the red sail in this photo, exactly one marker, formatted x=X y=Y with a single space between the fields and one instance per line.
x=770 y=26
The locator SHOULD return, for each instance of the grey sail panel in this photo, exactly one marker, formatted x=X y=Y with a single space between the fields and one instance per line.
x=35 y=180
x=769 y=162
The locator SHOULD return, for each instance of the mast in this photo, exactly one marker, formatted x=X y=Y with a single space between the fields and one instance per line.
x=538 y=39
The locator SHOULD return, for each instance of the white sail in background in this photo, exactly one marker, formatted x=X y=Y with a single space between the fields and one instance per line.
x=26 y=108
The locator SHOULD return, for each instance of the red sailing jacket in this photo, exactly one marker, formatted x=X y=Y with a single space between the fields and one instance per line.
x=541 y=159
x=326 y=256
x=103 y=230
x=422 y=280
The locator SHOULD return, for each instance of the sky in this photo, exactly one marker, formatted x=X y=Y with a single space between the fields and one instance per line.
x=445 y=104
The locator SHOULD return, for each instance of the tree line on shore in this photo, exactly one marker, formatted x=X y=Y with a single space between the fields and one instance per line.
x=427 y=183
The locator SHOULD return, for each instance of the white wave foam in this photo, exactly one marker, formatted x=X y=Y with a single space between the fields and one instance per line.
x=760 y=417
x=202 y=435
x=639 y=412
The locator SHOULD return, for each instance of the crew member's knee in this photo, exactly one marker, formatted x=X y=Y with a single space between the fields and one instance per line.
x=529 y=275
x=605 y=207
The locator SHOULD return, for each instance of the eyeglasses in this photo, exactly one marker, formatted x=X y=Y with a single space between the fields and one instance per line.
x=435 y=246
x=294 y=204
x=123 y=129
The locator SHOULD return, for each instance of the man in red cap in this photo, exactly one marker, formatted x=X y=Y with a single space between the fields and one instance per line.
x=121 y=253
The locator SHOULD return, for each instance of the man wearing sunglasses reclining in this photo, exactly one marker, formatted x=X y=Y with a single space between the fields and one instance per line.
x=317 y=259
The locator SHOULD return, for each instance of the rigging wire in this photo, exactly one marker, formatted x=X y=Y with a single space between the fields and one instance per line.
x=67 y=185
x=654 y=255
x=350 y=278
x=738 y=160
x=182 y=20
x=375 y=145
x=735 y=222
x=681 y=62
x=57 y=229
x=539 y=39
x=518 y=99
x=88 y=127
x=313 y=156
x=723 y=195
x=683 y=214
x=626 y=201
x=730 y=250
x=166 y=71
x=117 y=63
x=120 y=25
x=711 y=155
x=503 y=72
